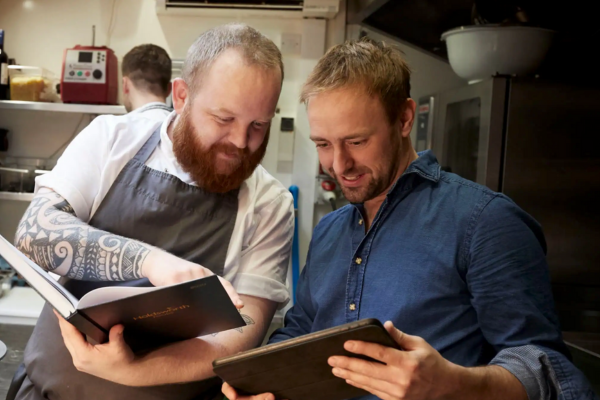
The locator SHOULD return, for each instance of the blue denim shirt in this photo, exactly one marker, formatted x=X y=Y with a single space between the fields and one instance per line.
x=450 y=261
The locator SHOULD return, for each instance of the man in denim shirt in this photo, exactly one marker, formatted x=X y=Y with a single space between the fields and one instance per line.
x=457 y=267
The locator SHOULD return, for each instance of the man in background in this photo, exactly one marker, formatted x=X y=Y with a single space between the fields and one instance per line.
x=146 y=71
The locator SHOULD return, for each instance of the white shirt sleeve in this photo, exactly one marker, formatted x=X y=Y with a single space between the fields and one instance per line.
x=77 y=174
x=264 y=263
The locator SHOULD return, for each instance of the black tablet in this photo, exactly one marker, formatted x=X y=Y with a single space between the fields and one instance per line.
x=297 y=369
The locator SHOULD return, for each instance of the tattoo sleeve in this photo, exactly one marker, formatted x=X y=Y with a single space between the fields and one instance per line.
x=53 y=237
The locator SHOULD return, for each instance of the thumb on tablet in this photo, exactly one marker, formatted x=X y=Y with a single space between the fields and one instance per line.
x=406 y=342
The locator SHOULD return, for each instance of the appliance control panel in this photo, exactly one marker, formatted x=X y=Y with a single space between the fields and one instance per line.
x=85 y=66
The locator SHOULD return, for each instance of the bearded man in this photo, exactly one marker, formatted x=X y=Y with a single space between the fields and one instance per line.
x=137 y=202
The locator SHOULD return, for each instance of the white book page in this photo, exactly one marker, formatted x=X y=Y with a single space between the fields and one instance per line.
x=39 y=279
x=112 y=293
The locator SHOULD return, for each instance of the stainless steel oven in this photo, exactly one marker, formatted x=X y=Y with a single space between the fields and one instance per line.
x=539 y=143
x=466 y=130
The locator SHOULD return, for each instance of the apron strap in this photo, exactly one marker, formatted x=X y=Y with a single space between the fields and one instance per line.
x=148 y=148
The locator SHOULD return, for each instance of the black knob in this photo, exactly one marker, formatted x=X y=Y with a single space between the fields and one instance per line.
x=97 y=74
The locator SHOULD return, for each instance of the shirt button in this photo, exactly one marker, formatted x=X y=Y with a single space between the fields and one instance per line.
x=360 y=221
x=358 y=260
x=352 y=307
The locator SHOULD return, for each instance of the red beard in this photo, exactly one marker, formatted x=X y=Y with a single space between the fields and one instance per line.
x=201 y=163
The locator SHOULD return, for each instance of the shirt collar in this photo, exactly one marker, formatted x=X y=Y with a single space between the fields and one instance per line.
x=166 y=144
x=151 y=106
x=426 y=165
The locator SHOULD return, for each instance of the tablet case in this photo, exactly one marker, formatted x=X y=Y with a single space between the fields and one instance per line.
x=297 y=369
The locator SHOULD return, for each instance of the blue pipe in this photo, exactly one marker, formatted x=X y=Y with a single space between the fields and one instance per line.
x=295 y=249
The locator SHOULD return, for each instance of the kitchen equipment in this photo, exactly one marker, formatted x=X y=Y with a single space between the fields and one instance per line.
x=534 y=140
x=585 y=349
x=176 y=69
x=424 y=123
x=14 y=180
x=480 y=52
x=89 y=75
x=6 y=277
x=4 y=91
x=18 y=175
x=3 y=139
x=31 y=84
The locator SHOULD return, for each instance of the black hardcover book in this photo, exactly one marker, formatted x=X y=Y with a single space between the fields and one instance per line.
x=152 y=316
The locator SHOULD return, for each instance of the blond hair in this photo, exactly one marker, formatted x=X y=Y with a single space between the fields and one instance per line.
x=256 y=49
x=375 y=66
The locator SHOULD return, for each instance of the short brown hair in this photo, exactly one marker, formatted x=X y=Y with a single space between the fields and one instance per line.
x=377 y=67
x=149 y=68
x=256 y=49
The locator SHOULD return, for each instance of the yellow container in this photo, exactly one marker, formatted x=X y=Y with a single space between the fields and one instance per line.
x=31 y=84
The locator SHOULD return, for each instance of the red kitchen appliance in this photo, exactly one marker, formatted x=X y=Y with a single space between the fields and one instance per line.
x=89 y=75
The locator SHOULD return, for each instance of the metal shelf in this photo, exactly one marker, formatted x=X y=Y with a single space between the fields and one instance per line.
x=16 y=196
x=20 y=306
x=61 y=107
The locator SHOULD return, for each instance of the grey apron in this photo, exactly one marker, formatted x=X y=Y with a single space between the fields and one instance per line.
x=156 y=208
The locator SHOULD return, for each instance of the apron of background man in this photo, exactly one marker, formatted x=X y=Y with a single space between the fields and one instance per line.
x=156 y=208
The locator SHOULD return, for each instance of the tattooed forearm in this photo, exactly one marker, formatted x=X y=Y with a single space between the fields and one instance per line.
x=53 y=237
x=247 y=319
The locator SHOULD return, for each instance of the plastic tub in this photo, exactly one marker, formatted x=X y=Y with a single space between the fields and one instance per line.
x=31 y=84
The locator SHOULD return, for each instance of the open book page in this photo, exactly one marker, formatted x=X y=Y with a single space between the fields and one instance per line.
x=112 y=293
x=58 y=297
